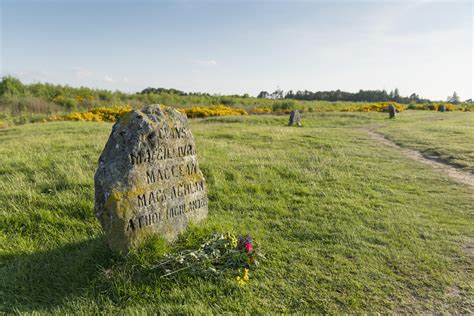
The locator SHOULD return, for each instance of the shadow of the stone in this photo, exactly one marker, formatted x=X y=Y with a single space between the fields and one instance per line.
x=44 y=280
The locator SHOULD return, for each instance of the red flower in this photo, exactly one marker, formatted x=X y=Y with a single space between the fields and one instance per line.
x=248 y=247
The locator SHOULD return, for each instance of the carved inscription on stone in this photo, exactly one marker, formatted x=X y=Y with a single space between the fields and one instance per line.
x=148 y=180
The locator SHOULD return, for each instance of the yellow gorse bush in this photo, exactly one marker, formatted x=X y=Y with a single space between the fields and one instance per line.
x=217 y=110
x=374 y=107
x=113 y=113
x=81 y=98
x=99 y=114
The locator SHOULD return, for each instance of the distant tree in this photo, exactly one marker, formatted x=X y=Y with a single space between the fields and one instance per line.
x=360 y=96
x=10 y=86
x=277 y=94
x=414 y=97
x=263 y=95
x=454 y=98
x=163 y=90
x=396 y=95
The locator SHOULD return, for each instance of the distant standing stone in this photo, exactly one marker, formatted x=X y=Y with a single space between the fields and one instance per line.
x=148 y=181
x=295 y=118
x=392 y=111
x=442 y=108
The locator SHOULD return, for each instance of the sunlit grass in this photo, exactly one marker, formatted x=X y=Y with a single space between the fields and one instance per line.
x=346 y=224
x=449 y=135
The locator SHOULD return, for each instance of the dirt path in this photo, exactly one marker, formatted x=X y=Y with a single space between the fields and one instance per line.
x=453 y=172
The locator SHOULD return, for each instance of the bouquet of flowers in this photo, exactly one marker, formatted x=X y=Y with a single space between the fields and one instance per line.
x=220 y=255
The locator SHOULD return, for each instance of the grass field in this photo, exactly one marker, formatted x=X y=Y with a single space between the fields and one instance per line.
x=346 y=224
x=449 y=136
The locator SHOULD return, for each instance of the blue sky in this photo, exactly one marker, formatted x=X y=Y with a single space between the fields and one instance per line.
x=241 y=47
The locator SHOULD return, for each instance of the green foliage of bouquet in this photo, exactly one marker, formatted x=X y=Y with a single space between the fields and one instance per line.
x=223 y=255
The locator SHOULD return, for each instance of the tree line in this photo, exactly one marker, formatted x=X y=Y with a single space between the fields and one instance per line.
x=361 y=96
x=338 y=95
x=72 y=98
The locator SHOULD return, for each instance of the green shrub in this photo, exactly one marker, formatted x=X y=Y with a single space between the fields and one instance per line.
x=10 y=86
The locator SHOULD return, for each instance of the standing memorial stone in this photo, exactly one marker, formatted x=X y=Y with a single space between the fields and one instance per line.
x=295 y=118
x=392 y=111
x=442 y=108
x=148 y=181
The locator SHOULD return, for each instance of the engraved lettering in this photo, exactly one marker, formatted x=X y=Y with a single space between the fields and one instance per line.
x=150 y=176
x=136 y=158
x=141 y=200
x=131 y=225
x=174 y=171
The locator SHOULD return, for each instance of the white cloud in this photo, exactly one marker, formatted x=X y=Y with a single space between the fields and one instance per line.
x=82 y=72
x=119 y=80
x=109 y=79
x=205 y=62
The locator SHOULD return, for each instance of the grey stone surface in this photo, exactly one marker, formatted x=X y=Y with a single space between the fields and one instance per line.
x=392 y=111
x=295 y=118
x=148 y=180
